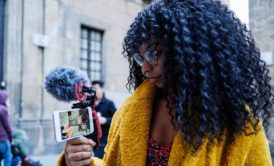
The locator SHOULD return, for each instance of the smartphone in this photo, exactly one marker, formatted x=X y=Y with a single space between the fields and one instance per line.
x=73 y=123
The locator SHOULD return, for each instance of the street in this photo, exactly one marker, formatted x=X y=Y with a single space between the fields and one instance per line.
x=47 y=160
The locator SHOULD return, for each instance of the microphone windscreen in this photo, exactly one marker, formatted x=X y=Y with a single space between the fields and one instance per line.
x=60 y=82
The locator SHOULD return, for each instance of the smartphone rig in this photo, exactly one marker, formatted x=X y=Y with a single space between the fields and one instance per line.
x=87 y=96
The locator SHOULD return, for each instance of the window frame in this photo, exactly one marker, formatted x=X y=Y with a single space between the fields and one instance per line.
x=92 y=62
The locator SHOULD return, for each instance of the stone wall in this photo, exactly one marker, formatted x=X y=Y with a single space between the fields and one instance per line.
x=261 y=23
x=27 y=63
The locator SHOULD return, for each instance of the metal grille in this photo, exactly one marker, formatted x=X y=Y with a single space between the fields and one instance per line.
x=91 y=52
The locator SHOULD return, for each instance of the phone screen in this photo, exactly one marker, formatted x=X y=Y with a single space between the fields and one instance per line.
x=73 y=123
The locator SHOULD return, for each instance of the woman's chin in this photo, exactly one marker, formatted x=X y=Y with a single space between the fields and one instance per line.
x=157 y=82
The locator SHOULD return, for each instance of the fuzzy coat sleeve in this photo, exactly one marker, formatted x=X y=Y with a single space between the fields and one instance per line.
x=259 y=153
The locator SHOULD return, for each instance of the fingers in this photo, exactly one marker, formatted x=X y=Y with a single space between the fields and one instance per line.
x=78 y=151
x=78 y=156
x=81 y=140
x=81 y=148
x=84 y=162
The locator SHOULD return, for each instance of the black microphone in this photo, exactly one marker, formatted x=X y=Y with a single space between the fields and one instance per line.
x=60 y=83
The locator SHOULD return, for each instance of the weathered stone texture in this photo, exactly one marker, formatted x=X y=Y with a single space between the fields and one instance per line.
x=261 y=22
x=60 y=21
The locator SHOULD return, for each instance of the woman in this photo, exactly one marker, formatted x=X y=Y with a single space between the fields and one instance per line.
x=201 y=92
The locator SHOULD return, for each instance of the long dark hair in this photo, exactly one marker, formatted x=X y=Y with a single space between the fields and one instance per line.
x=215 y=74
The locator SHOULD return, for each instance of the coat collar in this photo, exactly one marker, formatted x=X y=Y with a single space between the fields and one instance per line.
x=136 y=124
x=134 y=131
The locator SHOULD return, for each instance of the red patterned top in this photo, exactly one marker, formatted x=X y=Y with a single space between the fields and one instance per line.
x=157 y=154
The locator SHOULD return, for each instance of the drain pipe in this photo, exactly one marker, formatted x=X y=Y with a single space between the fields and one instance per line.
x=43 y=61
x=2 y=25
x=21 y=104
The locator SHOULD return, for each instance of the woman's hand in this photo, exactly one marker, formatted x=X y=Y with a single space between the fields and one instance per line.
x=78 y=151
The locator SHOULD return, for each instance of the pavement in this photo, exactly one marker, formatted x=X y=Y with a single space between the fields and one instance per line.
x=47 y=160
x=51 y=159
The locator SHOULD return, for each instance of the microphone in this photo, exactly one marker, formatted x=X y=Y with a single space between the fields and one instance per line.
x=61 y=81
x=68 y=84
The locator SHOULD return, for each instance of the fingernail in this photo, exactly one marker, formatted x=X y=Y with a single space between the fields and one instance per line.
x=92 y=142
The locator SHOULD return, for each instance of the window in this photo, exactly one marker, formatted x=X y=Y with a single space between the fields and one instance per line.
x=91 y=52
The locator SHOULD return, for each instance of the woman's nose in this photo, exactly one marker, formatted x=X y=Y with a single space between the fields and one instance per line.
x=146 y=68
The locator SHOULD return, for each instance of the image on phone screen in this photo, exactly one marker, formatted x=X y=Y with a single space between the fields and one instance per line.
x=72 y=123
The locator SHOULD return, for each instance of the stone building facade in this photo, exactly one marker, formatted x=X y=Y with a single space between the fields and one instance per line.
x=261 y=22
x=42 y=34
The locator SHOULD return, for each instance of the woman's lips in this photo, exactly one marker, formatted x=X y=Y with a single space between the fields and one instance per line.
x=155 y=79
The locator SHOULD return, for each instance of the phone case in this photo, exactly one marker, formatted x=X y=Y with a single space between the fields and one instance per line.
x=57 y=124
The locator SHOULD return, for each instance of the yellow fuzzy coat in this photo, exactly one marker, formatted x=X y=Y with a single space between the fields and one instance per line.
x=129 y=135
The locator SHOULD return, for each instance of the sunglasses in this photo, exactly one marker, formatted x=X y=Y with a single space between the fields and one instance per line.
x=150 y=57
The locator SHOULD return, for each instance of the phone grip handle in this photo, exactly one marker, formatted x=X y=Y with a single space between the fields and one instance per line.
x=97 y=134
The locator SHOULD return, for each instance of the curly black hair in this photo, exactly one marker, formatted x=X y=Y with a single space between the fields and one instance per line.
x=218 y=82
